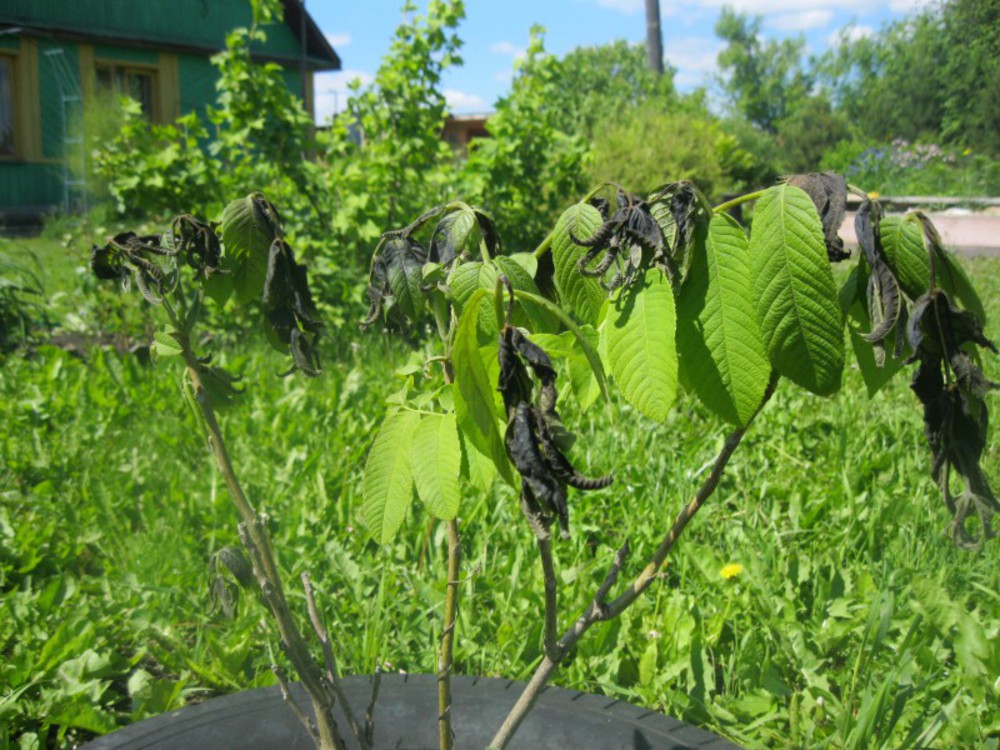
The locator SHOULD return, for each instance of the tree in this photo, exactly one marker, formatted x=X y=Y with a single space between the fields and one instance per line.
x=764 y=81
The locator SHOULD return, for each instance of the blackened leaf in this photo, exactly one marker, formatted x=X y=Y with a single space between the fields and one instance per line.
x=828 y=191
x=586 y=342
x=948 y=274
x=289 y=308
x=885 y=304
x=236 y=563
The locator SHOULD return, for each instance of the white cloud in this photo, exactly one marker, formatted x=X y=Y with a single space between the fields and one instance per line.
x=850 y=33
x=694 y=58
x=508 y=49
x=625 y=6
x=905 y=6
x=459 y=100
x=765 y=7
x=338 y=40
x=802 y=21
x=332 y=92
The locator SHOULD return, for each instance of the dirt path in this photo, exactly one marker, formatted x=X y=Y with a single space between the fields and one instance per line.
x=967 y=234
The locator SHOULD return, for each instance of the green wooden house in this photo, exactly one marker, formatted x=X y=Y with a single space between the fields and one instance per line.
x=57 y=54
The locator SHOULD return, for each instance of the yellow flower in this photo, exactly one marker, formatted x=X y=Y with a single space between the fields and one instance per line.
x=730 y=571
x=873 y=195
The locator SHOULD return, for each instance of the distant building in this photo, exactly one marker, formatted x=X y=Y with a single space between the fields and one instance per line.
x=459 y=130
x=55 y=54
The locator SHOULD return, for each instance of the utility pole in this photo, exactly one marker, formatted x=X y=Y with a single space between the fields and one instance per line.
x=654 y=37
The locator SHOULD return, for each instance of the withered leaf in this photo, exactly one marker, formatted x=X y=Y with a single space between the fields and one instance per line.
x=828 y=191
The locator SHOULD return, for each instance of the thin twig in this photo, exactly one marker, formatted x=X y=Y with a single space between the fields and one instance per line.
x=332 y=673
x=258 y=545
x=370 y=710
x=598 y=611
x=295 y=708
x=543 y=538
x=446 y=656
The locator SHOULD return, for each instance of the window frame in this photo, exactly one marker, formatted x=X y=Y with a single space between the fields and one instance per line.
x=121 y=68
x=12 y=56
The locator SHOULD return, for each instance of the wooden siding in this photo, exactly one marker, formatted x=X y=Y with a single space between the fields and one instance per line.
x=184 y=23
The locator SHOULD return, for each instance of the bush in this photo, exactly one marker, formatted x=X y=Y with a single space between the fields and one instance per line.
x=654 y=142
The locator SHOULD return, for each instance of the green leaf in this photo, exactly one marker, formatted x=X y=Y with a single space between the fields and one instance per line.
x=247 y=233
x=586 y=344
x=477 y=468
x=436 y=461
x=451 y=236
x=527 y=261
x=721 y=351
x=639 y=338
x=583 y=295
x=469 y=277
x=463 y=281
x=951 y=277
x=475 y=405
x=795 y=295
x=406 y=280
x=388 y=483
x=874 y=375
x=166 y=343
x=903 y=243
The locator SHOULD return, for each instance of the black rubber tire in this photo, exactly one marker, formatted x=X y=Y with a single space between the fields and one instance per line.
x=405 y=719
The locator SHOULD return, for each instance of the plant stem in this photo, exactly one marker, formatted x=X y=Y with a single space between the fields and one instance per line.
x=266 y=571
x=551 y=646
x=599 y=610
x=445 y=657
x=723 y=207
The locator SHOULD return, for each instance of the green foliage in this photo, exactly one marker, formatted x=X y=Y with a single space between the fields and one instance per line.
x=22 y=307
x=258 y=137
x=930 y=77
x=532 y=165
x=655 y=141
x=154 y=168
x=96 y=536
x=902 y=168
x=384 y=158
x=388 y=487
x=638 y=336
x=721 y=351
x=593 y=86
x=795 y=296
x=765 y=81
x=582 y=295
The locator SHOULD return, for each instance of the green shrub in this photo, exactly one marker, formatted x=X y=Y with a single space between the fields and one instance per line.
x=644 y=146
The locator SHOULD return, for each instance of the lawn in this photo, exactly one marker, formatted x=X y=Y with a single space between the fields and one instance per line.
x=853 y=621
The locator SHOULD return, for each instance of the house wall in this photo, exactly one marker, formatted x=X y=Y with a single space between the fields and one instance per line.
x=185 y=80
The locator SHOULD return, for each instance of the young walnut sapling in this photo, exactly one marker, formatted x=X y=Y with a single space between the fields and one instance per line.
x=252 y=262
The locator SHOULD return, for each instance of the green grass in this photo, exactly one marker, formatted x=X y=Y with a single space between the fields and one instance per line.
x=855 y=622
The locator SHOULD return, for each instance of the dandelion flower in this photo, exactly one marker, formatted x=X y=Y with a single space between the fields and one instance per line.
x=730 y=571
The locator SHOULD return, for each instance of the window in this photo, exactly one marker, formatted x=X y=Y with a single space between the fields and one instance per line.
x=7 y=141
x=135 y=83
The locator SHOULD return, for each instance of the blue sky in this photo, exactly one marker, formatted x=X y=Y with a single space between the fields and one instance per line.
x=494 y=32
